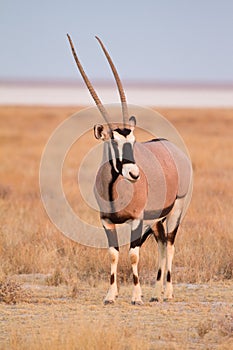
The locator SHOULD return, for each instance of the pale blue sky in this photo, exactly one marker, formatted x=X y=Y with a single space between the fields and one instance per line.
x=157 y=41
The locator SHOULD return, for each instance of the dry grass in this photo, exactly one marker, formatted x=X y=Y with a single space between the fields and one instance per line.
x=29 y=243
x=12 y=292
x=65 y=310
x=199 y=318
x=88 y=335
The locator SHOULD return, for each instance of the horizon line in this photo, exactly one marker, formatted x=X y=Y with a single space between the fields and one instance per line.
x=127 y=83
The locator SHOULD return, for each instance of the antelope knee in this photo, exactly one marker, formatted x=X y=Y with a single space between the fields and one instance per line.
x=114 y=254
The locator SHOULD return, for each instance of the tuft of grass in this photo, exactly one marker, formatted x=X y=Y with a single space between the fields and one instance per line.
x=56 y=279
x=221 y=326
x=12 y=292
x=204 y=327
x=225 y=325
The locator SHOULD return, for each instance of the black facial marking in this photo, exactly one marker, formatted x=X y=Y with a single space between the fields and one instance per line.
x=124 y=132
x=116 y=151
x=115 y=147
x=128 y=154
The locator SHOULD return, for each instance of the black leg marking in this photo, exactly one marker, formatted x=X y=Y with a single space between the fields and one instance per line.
x=161 y=232
x=160 y=236
x=168 y=276
x=112 y=279
x=172 y=235
x=135 y=279
x=159 y=275
x=145 y=235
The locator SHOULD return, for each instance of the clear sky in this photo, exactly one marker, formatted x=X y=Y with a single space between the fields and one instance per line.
x=149 y=40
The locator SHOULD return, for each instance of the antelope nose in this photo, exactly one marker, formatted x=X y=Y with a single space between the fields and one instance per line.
x=131 y=172
x=134 y=176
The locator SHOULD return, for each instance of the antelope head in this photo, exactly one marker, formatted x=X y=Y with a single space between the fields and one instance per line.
x=120 y=139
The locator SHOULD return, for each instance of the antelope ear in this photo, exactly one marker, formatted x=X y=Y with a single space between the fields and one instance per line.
x=132 y=122
x=100 y=132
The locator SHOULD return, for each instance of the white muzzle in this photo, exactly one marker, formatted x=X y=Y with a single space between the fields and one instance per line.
x=131 y=172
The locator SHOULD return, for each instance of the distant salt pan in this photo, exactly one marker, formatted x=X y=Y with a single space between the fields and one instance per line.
x=144 y=96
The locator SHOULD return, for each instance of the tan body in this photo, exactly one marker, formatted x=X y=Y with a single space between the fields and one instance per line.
x=158 y=194
x=161 y=164
x=136 y=182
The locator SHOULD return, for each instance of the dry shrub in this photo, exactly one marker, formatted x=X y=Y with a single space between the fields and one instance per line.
x=204 y=327
x=12 y=292
x=219 y=328
x=225 y=325
x=56 y=279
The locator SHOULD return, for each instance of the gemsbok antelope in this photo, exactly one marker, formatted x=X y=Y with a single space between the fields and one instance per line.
x=135 y=182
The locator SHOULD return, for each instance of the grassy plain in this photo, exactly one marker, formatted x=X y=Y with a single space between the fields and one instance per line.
x=59 y=301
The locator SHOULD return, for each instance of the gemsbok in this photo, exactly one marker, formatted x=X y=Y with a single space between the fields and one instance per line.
x=138 y=181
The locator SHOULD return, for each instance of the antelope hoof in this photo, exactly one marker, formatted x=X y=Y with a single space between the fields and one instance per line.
x=109 y=302
x=138 y=302
x=168 y=299
x=154 y=300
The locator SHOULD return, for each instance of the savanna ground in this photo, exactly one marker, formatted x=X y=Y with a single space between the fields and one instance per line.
x=51 y=289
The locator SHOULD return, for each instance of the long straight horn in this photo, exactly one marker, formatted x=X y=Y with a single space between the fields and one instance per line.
x=119 y=84
x=89 y=85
